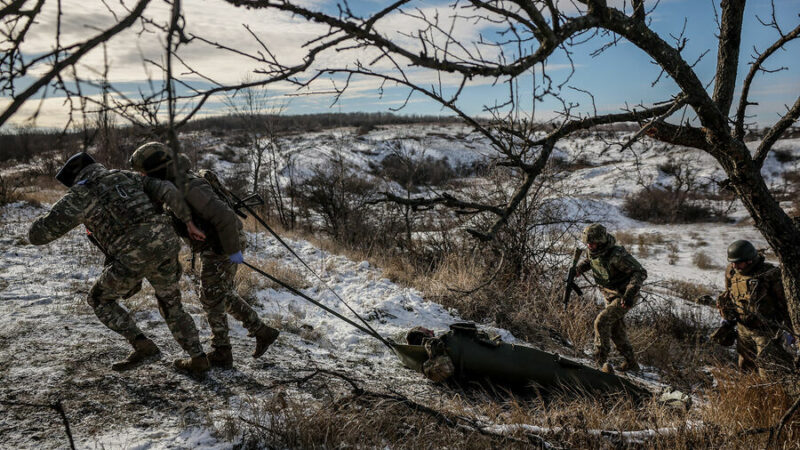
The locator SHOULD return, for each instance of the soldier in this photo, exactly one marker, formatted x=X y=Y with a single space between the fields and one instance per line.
x=220 y=254
x=620 y=277
x=121 y=211
x=754 y=302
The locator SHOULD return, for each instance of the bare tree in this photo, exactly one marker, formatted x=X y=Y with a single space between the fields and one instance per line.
x=526 y=36
x=538 y=30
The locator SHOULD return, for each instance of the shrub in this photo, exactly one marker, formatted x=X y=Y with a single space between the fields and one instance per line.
x=666 y=206
x=689 y=291
x=412 y=172
x=9 y=189
x=703 y=261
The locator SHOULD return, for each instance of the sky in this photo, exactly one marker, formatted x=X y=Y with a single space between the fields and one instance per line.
x=621 y=75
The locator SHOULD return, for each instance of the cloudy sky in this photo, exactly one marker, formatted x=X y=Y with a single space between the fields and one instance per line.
x=622 y=75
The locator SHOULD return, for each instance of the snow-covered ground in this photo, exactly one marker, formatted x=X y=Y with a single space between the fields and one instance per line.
x=53 y=348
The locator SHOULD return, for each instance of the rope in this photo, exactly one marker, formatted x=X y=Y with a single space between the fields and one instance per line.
x=370 y=331
x=273 y=233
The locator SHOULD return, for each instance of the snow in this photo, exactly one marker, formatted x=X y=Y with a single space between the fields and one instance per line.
x=52 y=346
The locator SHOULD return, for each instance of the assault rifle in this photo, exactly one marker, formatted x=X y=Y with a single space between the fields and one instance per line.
x=570 y=283
x=249 y=200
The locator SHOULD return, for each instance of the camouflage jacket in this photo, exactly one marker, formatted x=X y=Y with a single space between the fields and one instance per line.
x=111 y=204
x=756 y=298
x=213 y=215
x=615 y=270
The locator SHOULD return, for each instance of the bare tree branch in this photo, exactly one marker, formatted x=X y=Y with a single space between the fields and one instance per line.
x=776 y=131
x=744 y=101
x=58 y=66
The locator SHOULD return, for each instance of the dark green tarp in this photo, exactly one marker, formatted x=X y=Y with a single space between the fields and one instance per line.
x=475 y=357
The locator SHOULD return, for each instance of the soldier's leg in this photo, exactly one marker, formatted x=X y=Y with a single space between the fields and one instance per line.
x=619 y=335
x=218 y=283
x=745 y=348
x=771 y=357
x=213 y=303
x=164 y=279
x=112 y=284
x=603 y=324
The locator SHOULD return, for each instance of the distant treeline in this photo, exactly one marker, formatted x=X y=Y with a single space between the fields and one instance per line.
x=24 y=143
x=312 y=122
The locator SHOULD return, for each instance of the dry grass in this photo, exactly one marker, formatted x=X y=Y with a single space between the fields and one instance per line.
x=248 y=281
x=703 y=261
x=690 y=291
x=340 y=416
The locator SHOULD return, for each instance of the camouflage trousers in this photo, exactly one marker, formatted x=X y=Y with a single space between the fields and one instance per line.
x=123 y=274
x=760 y=349
x=219 y=296
x=609 y=326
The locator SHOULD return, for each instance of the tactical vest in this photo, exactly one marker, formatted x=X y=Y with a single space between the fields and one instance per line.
x=750 y=293
x=120 y=203
x=604 y=273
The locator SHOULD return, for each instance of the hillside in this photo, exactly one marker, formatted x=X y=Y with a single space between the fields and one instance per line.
x=52 y=348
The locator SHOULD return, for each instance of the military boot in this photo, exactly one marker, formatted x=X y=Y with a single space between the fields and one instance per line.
x=599 y=357
x=264 y=338
x=629 y=365
x=221 y=357
x=144 y=351
x=196 y=366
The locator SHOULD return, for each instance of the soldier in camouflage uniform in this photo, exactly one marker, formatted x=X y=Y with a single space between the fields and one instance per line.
x=220 y=254
x=620 y=277
x=120 y=210
x=754 y=301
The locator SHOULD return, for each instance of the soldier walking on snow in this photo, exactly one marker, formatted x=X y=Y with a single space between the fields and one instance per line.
x=220 y=253
x=755 y=304
x=120 y=209
x=620 y=277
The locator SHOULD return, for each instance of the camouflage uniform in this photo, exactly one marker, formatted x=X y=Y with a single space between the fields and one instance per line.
x=755 y=299
x=118 y=207
x=620 y=277
x=224 y=237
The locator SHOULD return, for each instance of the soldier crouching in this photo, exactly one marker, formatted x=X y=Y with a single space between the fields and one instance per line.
x=120 y=209
x=755 y=304
x=620 y=277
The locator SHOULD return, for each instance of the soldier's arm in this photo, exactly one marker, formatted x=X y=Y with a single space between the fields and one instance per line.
x=778 y=295
x=65 y=215
x=583 y=266
x=724 y=303
x=204 y=200
x=162 y=191
x=629 y=265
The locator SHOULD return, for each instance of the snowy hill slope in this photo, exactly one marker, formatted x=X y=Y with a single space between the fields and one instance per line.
x=53 y=348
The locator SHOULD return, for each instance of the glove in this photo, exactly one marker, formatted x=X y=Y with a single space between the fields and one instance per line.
x=626 y=301
x=790 y=340
x=236 y=258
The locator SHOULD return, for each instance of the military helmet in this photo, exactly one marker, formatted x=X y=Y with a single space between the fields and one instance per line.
x=152 y=158
x=741 y=251
x=595 y=234
x=73 y=167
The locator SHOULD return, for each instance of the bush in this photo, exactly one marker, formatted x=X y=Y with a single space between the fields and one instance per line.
x=693 y=292
x=666 y=206
x=703 y=261
x=9 y=189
